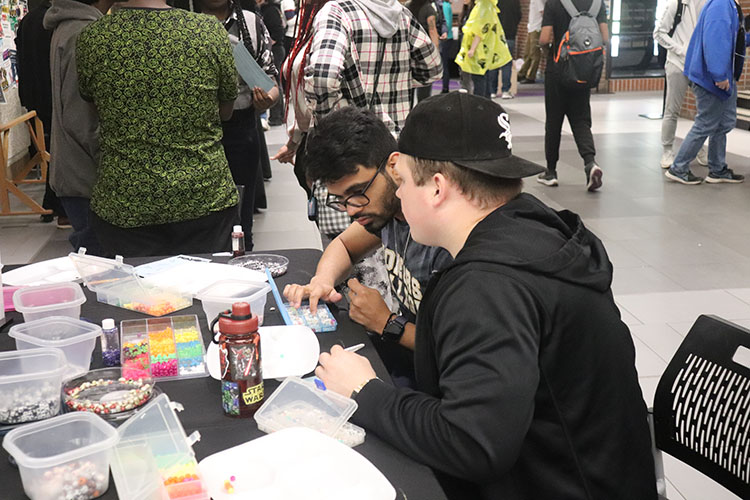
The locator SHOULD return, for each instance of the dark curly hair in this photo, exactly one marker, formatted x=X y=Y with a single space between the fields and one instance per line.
x=344 y=140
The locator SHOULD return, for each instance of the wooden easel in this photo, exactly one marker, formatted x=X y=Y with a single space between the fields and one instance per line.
x=8 y=185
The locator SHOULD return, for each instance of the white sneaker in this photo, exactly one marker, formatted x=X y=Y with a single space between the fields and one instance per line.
x=493 y=95
x=507 y=95
x=702 y=157
x=264 y=124
x=463 y=91
x=667 y=158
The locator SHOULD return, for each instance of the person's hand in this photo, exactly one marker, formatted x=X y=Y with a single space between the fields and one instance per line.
x=723 y=85
x=444 y=36
x=286 y=153
x=315 y=291
x=470 y=53
x=261 y=100
x=343 y=371
x=367 y=307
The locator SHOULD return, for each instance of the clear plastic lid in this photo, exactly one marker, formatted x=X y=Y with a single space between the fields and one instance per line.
x=99 y=273
x=59 y=439
x=151 y=441
x=297 y=403
x=55 y=331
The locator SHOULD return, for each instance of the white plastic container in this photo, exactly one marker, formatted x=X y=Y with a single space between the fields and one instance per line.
x=61 y=299
x=221 y=295
x=152 y=449
x=63 y=457
x=74 y=337
x=30 y=383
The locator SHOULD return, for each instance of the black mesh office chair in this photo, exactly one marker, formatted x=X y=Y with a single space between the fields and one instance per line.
x=702 y=403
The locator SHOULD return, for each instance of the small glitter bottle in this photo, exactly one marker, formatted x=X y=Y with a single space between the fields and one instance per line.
x=110 y=343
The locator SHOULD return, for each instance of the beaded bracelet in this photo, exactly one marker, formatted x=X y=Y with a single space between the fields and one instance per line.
x=134 y=398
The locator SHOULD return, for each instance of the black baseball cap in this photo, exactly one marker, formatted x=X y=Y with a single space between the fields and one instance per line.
x=468 y=130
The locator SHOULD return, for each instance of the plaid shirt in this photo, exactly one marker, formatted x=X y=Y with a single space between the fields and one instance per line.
x=343 y=57
x=330 y=222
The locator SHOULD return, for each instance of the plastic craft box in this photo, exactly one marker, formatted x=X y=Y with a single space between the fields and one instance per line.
x=30 y=383
x=221 y=295
x=37 y=302
x=163 y=348
x=154 y=459
x=63 y=457
x=117 y=284
x=74 y=337
x=297 y=403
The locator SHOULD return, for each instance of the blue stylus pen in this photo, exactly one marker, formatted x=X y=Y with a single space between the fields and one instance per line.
x=279 y=303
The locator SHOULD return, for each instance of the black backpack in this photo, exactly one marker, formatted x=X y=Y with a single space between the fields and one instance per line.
x=579 y=58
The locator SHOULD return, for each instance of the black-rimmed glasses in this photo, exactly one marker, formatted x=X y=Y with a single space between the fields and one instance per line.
x=357 y=200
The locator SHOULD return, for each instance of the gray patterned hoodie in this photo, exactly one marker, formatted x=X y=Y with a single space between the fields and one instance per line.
x=74 y=143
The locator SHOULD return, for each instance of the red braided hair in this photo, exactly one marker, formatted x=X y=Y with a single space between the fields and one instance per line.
x=307 y=12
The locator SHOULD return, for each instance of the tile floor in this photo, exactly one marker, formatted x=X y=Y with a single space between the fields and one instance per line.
x=678 y=251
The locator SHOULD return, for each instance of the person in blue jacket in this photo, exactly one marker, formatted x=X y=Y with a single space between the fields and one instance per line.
x=713 y=65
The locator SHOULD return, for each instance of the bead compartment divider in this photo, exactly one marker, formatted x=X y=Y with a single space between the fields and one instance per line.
x=175 y=346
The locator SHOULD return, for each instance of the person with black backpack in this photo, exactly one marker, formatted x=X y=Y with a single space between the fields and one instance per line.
x=673 y=31
x=576 y=31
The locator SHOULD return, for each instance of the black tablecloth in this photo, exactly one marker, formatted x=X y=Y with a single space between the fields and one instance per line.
x=202 y=397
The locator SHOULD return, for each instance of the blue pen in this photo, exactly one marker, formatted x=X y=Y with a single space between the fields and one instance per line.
x=279 y=303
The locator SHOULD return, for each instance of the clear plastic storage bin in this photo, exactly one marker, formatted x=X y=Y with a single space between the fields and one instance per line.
x=221 y=295
x=37 y=302
x=63 y=457
x=30 y=384
x=74 y=337
x=154 y=460
x=297 y=403
x=117 y=284
x=163 y=348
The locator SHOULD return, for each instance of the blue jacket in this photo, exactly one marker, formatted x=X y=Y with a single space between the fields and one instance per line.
x=711 y=54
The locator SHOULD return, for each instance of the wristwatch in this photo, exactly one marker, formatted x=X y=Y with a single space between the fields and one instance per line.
x=394 y=328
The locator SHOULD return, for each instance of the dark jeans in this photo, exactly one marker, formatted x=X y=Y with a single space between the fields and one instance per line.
x=560 y=102
x=79 y=212
x=447 y=54
x=481 y=85
x=508 y=68
x=241 y=147
x=207 y=234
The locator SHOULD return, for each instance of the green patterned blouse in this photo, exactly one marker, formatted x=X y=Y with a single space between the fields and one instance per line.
x=157 y=77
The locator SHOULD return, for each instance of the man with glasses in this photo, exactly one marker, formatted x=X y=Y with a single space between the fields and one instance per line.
x=352 y=152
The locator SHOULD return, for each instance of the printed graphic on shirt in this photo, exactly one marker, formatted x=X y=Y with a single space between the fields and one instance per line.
x=405 y=287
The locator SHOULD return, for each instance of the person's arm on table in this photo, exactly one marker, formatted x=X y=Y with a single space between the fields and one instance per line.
x=488 y=366
x=342 y=253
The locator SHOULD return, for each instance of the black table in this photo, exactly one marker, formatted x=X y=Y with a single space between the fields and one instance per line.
x=202 y=397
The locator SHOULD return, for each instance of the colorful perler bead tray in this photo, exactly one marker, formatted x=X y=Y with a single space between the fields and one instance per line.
x=321 y=321
x=164 y=348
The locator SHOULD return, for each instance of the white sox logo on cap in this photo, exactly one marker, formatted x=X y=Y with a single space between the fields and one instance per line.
x=504 y=123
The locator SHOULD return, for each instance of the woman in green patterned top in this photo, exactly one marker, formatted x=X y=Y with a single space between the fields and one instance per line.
x=161 y=79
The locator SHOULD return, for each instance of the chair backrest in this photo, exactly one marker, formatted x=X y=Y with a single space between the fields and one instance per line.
x=702 y=403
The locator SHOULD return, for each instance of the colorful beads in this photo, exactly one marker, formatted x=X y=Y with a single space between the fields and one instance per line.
x=74 y=481
x=165 y=348
x=159 y=309
x=25 y=404
x=181 y=479
x=133 y=398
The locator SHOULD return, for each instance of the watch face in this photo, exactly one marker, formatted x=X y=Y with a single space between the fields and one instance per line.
x=394 y=329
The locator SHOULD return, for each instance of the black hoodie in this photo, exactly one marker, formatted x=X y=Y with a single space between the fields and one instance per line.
x=526 y=372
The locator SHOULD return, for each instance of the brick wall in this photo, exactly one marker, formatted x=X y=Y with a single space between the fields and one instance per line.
x=688 y=105
x=635 y=84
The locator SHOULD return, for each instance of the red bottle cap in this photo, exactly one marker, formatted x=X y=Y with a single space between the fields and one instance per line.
x=242 y=320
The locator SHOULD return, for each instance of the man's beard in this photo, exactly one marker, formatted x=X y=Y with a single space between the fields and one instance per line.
x=391 y=206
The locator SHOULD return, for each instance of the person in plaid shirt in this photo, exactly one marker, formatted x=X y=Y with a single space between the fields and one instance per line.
x=359 y=45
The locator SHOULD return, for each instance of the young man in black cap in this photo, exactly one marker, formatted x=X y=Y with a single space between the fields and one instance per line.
x=526 y=375
x=354 y=154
